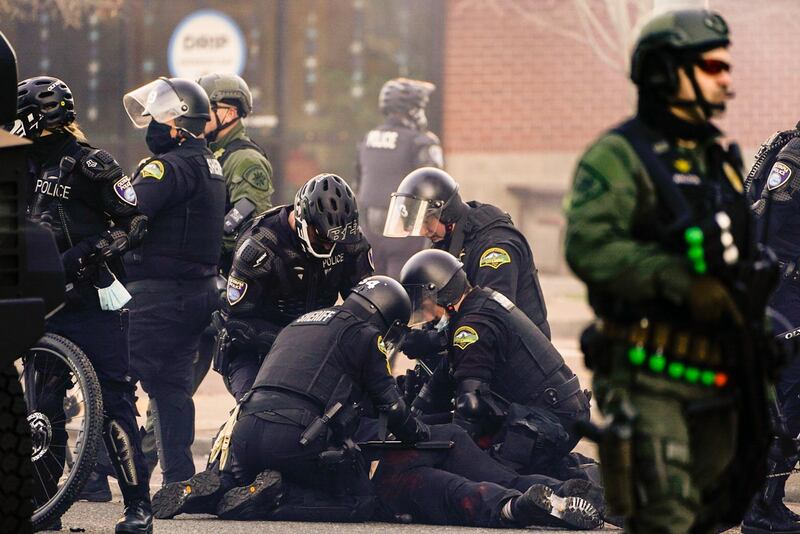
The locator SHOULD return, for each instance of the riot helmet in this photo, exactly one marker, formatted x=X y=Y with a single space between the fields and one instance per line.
x=673 y=40
x=385 y=300
x=433 y=277
x=408 y=98
x=325 y=214
x=425 y=197
x=43 y=103
x=164 y=99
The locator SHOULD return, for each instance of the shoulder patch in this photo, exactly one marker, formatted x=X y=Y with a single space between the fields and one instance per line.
x=214 y=167
x=317 y=317
x=154 y=169
x=464 y=337
x=125 y=191
x=236 y=291
x=382 y=349
x=257 y=177
x=219 y=152
x=778 y=176
x=494 y=257
x=588 y=186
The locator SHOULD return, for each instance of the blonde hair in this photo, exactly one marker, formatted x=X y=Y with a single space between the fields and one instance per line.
x=74 y=129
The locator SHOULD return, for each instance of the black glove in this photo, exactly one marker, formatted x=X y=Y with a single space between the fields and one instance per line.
x=424 y=342
x=245 y=335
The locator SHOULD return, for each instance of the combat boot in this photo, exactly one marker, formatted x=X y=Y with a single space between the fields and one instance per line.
x=253 y=501
x=768 y=519
x=137 y=519
x=198 y=495
x=540 y=506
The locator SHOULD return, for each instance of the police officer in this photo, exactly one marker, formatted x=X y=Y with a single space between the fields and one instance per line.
x=320 y=364
x=94 y=211
x=182 y=191
x=772 y=187
x=495 y=254
x=386 y=154
x=505 y=372
x=247 y=171
x=659 y=230
x=293 y=260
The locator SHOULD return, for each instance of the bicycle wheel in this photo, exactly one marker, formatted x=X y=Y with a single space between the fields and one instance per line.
x=65 y=414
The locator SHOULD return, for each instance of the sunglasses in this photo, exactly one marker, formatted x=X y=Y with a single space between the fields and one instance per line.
x=713 y=66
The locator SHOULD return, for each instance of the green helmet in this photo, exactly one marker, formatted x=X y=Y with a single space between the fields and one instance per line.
x=668 y=39
x=229 y=88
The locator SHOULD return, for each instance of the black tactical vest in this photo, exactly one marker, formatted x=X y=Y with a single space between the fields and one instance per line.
x=72 y=200
x=386 y=155
x=531 y=364
x=309 y=357
x=189 y=231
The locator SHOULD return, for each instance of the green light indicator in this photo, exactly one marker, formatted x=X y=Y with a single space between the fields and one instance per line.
x=657 y=363
x=692 y=375
x=675 y=370
x=707 y=378
x=637 y=355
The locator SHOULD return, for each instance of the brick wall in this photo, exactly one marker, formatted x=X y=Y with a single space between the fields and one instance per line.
x=521 y=100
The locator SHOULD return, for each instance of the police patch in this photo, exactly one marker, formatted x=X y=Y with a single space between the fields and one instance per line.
x=236 y=290
x=778 y=176
x=125 y=191
x=214 y=167
x=154 y=169
x=464 y=337
x=494 y=257
x=382 y=348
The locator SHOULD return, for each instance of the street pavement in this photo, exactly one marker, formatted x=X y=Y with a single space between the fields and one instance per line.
x=568 y=314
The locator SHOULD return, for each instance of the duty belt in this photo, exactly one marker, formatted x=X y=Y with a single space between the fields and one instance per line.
x=663 y=349
x=279 y=407
x=552 y=395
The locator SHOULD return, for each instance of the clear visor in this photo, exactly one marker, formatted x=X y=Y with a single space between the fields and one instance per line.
x=394 y=336
x=157 y=99
x=409 y=216
x=423 y=305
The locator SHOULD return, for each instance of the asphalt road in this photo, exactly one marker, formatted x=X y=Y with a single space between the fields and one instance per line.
x=100 y=518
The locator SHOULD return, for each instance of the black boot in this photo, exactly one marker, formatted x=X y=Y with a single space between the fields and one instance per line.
x=253 y=501
x=137 y=519
x=96 y=489
x=198 y=495
x=772 y=519
x=540 y=506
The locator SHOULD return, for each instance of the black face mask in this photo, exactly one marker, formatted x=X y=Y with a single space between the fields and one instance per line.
x=158 y=139
x=48 y=147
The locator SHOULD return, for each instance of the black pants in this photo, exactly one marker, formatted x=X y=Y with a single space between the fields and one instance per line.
x=242 y=371
x=167 y=318
x=461 y=486
x=103 y=336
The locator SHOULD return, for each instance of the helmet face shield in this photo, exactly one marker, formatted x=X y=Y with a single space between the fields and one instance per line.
x=313 y=244
x=157 y=100
x=410 y=216
x=423 y=304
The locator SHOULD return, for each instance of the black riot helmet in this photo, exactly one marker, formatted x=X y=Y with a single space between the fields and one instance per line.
x=408 y=98
x=433 y=277
x=325 y=214
x=43 y=103
x=672 y=40
x=178 y=99
x=385 y=300
x=425 y=194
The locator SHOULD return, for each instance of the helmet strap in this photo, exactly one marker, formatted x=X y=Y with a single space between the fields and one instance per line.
x=213 y=134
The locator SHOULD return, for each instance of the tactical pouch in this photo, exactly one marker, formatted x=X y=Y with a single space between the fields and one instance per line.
x=531 y=438
x=220 y=353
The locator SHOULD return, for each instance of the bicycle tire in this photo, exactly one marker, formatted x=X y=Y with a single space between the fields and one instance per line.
x=16 y=484
x=84 y=463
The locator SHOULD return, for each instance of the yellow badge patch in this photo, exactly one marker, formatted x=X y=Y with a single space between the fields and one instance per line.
x=154 y=169
x=382 y=348
x=494 y=258
x=219 y=152
x=682 y=165
x=464 y=337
